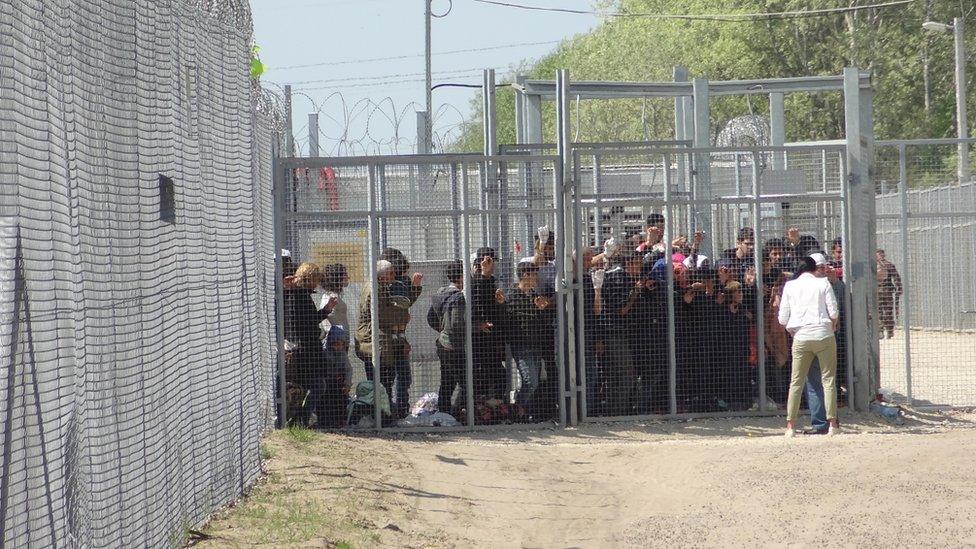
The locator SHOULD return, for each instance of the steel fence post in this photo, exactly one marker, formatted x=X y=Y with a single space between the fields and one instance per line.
x=757 y=265
x=703 y=186
x=859 y=132
x=598 y=208
x=906 y=269
x=848 y=296
x=669 y=268
x=468 y=304
x=374 y=309
x=565 y=331
x=579 y=241
x=455 y=218
x=279 y=228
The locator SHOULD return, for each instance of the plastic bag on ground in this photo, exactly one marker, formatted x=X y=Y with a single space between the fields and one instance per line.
x=427 y=404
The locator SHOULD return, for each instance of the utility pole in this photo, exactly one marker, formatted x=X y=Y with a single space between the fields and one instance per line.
x=429 y=105
x=962 y=127
x=289 y=136
x=961 y=120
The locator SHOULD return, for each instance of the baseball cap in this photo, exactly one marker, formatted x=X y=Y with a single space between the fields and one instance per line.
x=819 y=259
x=702 y=262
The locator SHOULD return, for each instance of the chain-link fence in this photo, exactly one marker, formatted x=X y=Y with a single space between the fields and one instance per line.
x=135 y=269
x=925 y=264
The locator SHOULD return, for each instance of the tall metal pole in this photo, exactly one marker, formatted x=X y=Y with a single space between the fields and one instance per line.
x=289 y=135
x=313 y=134
x=961 y=120
x=428 y=137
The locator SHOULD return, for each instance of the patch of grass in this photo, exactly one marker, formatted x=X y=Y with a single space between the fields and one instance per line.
x=300 y=433
x=283 y=520
x=343 y=545
x=266 y=452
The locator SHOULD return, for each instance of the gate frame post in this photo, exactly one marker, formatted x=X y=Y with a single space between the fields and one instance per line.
x=863 y=284
x=563 y=191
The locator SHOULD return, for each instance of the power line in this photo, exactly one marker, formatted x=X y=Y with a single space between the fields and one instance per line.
x=388 y=76
x=731 y=17
x=375 y=84
x=413 y=56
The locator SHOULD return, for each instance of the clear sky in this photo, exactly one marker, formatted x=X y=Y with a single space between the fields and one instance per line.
x=330 y=33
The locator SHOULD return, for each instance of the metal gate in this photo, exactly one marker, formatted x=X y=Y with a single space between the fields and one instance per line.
x=680 y=348
x=442 y=212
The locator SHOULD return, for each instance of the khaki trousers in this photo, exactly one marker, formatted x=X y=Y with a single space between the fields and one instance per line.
x=825 y=350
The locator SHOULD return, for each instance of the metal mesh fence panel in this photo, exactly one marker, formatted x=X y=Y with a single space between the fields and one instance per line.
x=136 y=246
x=927 y=299
x=696 y=331
x=418 y=239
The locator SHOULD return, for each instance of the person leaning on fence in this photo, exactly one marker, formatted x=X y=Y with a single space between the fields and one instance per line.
x=889 y=294
x=623 y=290
x=529 y=312
x=489 y=328
x=809 y=312
x=653 y=234
x=736 y=363
x=389 y=322
x=837 y=258
x=334 y=283
x=699 y=327
x=447 y=316
x=592 y=328
x=544 y=257
x=307 y=364
x=776 y=264
x=741 y=256
x=404 y=291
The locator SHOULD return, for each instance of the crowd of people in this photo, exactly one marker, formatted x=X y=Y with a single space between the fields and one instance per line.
x=625 y=334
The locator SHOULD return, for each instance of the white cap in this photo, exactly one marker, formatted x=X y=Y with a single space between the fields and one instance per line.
x=382 y=266
x=703 y=261
x=285 y=253
x=819 y=259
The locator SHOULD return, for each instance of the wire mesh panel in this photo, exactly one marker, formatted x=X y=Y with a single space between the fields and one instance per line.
x=136 y=359
x=926 y=302
x=419 y=239
x=678 y=319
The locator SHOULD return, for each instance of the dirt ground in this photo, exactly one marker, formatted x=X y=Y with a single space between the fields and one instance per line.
x=943 y=367
x=730 y=482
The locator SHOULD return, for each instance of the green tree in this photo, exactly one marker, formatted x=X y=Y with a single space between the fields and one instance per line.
x=912 y=70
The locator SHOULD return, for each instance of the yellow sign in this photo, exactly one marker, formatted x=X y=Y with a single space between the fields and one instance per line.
x=350 y=254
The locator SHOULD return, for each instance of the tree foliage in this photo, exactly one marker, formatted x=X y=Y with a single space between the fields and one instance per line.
x=912 y=69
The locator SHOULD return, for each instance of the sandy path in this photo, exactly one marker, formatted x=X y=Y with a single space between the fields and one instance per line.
x=602 y=487
x=731 y=482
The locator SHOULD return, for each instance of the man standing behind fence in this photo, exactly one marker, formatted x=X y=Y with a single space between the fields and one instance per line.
x=889 y=293
x=808 y=310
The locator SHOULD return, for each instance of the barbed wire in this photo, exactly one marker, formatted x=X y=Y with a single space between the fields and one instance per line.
x=365 y=126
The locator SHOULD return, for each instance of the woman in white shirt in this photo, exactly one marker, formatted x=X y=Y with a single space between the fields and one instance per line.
x=808 y=310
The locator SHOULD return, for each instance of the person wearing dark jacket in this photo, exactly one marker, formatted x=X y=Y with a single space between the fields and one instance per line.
x=735 y=370
x=488 y=333
x=302 y=318
x=623 y=290
x=698 y=331
x=530 y=314
x=741 y=258
x=447 y=315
